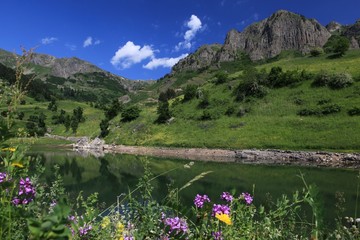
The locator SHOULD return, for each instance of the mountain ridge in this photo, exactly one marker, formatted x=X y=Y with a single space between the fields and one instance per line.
x=283 y=30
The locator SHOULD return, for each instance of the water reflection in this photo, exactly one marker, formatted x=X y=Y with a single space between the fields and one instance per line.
x=112 y=175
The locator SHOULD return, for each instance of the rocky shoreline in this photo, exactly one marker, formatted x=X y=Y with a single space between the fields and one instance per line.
x=97 y=147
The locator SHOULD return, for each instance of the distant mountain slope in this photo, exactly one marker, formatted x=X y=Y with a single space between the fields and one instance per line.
x=75 y=78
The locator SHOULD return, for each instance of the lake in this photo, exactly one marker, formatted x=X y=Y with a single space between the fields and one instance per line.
x=114 y=174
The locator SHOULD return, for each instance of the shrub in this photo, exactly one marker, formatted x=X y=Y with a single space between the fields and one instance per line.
x=230 y=111
x=250 y=88
x=340 y=80
x=334 y=81
x=130 y=113
x=189 y=92
x=209 y=115
x=355 y=111
x=316 y=52
x=337 y=45
x=164 y=112
x=241 y=112
x=329 y=109
x=324 y=110
x=221 y=77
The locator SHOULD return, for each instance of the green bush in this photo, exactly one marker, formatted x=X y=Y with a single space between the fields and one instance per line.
x=324 y=110
x=221 y=77
x=337 y=45
x=334 y=81
x=189 y=92
x=340 y=80
x=316 y=52
x=355 y=111
x=130 y=113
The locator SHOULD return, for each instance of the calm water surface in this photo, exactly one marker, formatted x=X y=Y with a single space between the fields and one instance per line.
x=112 y=175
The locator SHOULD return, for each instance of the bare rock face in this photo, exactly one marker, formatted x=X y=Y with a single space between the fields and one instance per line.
x=353 y=33
x=64 y=67
x=265 y=39
x=281 y=31
x=333 y=27
x=203 y=57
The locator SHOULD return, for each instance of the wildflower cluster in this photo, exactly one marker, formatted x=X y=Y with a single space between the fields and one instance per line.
x=226 y=196
x=220 y=209
x=83 y=228
x=247 y=197
x=200 y=200
x=2 y=177
x=177 y=225
x=26 y=192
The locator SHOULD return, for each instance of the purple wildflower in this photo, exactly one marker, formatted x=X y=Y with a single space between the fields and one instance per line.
x=26 y=192
x=200 y=200
x=217 y=235
x=248 y=198
x=226 y=196
x=126 y=237
x=16 y=201
x=2 y=177
x=220 y=209
x=72 y=218
x=176 y=224
x=84 y=230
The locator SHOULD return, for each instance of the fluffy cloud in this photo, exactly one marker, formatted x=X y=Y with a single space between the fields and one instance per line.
x=163 y=62
x=194 y=24
x=87 y=42
x=130 y=54
x=48 y=40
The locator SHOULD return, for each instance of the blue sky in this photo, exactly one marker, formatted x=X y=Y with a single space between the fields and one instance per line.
x=142 y=39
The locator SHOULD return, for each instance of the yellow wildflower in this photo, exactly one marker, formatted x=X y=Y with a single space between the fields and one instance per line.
x=120 y=228
x=19 y=165
x=105 y=222
x=224 y=218
x=9 y=149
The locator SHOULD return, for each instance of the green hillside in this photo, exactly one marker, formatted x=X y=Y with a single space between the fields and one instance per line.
x=269 y=122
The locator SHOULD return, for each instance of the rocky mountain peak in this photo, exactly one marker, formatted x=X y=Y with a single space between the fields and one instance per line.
x=283 y=30
x=333 y=26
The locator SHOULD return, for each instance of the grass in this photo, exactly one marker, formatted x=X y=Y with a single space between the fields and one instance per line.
x=90 y=127
x=272 y=122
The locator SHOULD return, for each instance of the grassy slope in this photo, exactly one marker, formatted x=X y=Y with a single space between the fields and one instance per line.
x=90 y=127
x=271 y=123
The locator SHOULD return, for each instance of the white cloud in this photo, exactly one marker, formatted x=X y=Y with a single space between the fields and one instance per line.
x=70 y=46
x=195 y=25
x=163 y=62
x=87 y=42
x=97 y=42
x=48 y=40
x=256 y=16
x=130 y=54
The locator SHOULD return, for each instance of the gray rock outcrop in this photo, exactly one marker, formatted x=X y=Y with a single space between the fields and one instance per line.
x=203 y=57
x=281 y=31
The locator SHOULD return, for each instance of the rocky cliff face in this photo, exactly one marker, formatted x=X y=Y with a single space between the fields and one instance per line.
x=64 y=67
x=353 y=33
x=281 y=31
x=203 y=57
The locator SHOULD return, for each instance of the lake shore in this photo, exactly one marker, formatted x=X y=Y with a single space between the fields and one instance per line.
x=249 y=156
x=97 y=147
